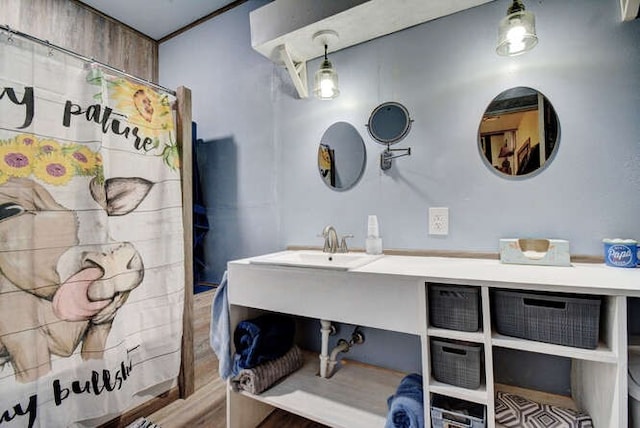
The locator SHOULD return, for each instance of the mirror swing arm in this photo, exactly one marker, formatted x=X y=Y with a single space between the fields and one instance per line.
x=389 y=123
x=387 y=155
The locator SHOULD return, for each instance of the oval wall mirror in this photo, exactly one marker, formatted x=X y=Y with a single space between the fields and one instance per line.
x=341 y=156
x=519 y=133
x=389 y=123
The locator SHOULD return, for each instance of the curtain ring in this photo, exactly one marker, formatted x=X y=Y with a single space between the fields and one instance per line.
x=9 y=34
x=50 y=52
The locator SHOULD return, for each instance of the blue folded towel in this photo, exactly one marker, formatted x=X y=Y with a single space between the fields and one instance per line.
x=406 y=406
x=262 y=339
x=219 y=330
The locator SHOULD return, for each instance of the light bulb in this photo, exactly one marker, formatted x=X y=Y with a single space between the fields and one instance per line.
x=515 y=37
x=327 y=87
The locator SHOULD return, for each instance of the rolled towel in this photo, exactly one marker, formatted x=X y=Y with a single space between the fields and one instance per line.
x=262 y=339
x=262 y=377
x=514 y=411
x=406 y=406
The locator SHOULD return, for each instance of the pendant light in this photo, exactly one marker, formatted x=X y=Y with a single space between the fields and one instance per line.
x=517 y=31
x=325 y=85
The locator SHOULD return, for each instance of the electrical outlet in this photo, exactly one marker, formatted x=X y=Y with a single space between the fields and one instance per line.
x=439 y=221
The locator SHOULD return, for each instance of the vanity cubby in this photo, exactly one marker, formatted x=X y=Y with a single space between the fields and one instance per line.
x=392 y=294
x=595 y=374
x=356 y=395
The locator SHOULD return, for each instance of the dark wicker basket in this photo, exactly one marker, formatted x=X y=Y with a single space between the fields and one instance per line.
x=562 y=319
x=454 y=307
x=456 y=363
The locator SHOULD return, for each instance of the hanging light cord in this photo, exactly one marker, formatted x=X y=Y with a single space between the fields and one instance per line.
x=325 y=52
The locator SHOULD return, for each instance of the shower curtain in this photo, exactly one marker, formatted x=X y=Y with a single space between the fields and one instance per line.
x=91 y=240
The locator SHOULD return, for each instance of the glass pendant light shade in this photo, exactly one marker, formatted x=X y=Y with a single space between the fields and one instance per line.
x=517 y=31
x=325 y=84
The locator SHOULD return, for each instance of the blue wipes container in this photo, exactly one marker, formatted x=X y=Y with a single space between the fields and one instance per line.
x=621 y=252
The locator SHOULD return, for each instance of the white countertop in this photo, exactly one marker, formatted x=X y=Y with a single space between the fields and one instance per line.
x=593 y=278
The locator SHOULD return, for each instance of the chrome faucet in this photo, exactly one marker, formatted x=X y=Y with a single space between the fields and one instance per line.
x=330 y=239
x=331 y=244
x=343 y=244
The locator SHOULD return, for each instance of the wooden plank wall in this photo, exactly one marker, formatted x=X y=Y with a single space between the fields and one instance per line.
x=81 y=29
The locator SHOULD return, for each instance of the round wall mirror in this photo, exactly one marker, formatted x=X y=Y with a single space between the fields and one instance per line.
x=341 y=156
x=519 y=133
x=389 y=123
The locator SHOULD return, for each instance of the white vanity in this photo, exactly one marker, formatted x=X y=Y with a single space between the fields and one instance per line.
x=391 y=293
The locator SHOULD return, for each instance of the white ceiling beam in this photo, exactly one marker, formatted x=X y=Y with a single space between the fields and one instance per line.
x=360 y=23
x=629 y=9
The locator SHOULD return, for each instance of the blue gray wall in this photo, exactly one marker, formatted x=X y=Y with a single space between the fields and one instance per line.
x=265 y=191
x=233 y=105
x=446 y=72
x=263 y=188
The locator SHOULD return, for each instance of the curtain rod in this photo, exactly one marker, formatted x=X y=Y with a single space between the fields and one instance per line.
x=84 y=58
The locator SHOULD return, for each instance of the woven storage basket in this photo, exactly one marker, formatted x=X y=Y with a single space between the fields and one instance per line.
x=562 y=319
x=457 y=363
x=454 y=307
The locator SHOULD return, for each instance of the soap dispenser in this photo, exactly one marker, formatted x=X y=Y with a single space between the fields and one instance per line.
x=373 y=243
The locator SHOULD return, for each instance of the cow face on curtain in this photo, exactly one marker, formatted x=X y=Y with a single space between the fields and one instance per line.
x=91 y=260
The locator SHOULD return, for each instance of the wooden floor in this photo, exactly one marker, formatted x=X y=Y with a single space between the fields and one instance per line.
x=207 y=406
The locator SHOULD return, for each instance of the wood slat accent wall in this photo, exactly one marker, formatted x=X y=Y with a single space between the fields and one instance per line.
x=81 y=29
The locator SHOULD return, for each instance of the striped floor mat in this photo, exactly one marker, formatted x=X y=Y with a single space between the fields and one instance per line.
x=142 y=423
x=514 y=411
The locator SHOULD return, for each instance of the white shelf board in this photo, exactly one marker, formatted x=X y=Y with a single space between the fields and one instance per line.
x=587 y=278
x=294 y=22
x=355 y=396
x=601 y=353
x=629 y=9
x=475 y=395
x=475 y=337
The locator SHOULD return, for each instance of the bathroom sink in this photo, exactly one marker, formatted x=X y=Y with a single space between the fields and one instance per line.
x=316 y=259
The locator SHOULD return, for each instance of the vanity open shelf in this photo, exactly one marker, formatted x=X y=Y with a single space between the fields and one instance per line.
x=355 y=396
x=602 y=353
x=479 y=395
x=392 y=293
x=476 y=337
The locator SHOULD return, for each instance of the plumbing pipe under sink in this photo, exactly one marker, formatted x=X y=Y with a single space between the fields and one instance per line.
x=325 y=331
x=342 y=346
x=357 y=338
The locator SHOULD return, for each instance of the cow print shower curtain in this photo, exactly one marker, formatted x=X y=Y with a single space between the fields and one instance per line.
x=91 y=240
